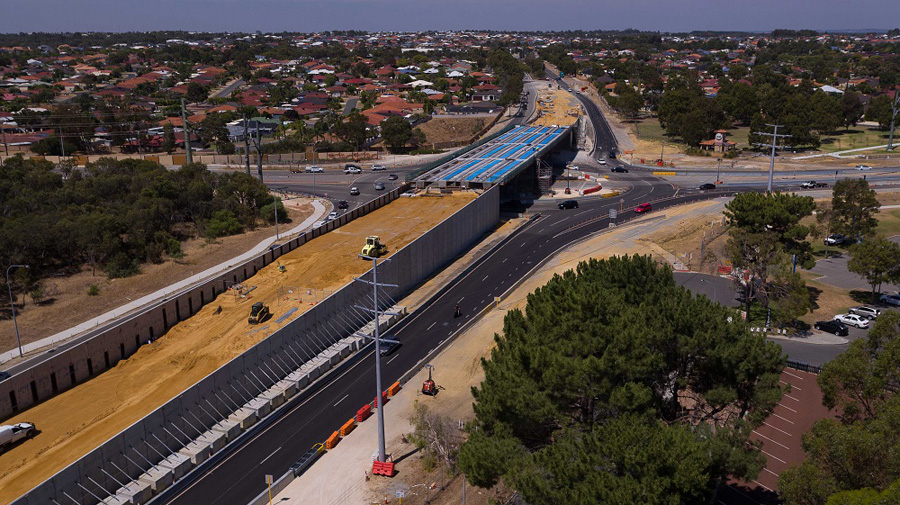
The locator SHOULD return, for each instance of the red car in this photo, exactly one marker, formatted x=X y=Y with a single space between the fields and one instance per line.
x=644 y=207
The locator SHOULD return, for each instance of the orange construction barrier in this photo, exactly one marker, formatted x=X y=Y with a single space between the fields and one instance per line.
x=383 y=468
x=363 y=413
x=384 y=398
x=332 y=440
x=348 y=427
x=394 y=389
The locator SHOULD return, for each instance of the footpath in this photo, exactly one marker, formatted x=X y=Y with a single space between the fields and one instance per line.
x=319 y=210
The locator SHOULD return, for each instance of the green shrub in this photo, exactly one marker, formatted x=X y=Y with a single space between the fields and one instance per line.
x=222 y=224
x=93 y=290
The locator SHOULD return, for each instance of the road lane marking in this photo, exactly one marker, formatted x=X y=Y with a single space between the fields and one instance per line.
x=783 y=418
x=392 y=359
x=342 y=399
x=485 y=278
x=269 y=456
x=770 y=440
x=773 y=456
x=778 y=429
x=792 y=398
x=431 y=326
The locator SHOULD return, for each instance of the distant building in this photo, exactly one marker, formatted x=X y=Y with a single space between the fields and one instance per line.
x=719 y=144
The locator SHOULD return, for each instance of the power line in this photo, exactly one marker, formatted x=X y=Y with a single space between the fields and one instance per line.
x=774 y=145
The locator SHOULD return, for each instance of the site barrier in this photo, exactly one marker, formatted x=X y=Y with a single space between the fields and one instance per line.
x=348 y=427
x=394 y=389
x=332 y=441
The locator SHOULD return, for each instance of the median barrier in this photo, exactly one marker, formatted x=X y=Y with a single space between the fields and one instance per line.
x=664 y=173
x=384 y=398
x=332 y=441
x=348 y=427
x=363 y=413
x=385 y=468
x=595 y=189
x=394 y=389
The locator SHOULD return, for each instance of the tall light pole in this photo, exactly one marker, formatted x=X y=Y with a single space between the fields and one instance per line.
x=12 y=305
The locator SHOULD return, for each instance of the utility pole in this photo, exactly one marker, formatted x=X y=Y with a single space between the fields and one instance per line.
x=258 y=154
x=12 y=306
x=718 y=169
x=62 y=145
x=5 y=145
x=246 y=145
x=187 y=134
x=894 y=105
x=774 y=145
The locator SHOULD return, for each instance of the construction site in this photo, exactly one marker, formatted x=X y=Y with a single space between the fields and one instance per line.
x=76 y=421
x=556 y=107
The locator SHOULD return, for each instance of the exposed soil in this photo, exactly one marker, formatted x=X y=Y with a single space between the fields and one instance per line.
x=76 y=421
x=462 y=129
x=69 y=304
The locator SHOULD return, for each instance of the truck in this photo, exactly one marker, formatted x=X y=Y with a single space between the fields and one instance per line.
x=813 y=185
x=13 y=433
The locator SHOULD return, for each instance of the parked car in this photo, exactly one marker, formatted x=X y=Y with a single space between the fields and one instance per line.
x=389 y=347
x=352 y=169
x=852 y=320
x=12 y=433
x=835 y=239
x=379 y=186
x=568 y=204
x=836 y=327
x=863 y=167
x=378 y=168
x=343 y=204
x=706 y=187
x=621 y=170
x=393 y=177
x=642 y=208
x=354 y=191
x=313 y=169
x=865 y=311
x=891 y=300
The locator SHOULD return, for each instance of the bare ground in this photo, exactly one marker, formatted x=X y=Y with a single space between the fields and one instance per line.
x=462 y=129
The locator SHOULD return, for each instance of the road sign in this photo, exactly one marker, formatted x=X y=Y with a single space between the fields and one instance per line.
x=269 y=480
x=613 y=213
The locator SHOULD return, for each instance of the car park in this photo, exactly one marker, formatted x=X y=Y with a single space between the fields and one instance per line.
x=568 y=204
x=863 y=167
x=379 y=186
x=891 y=300
x=706 y=187
x=354 y=191
x=378 y=168
x=642 y=208
x=835 y=239
x=852 y=320
x=836 y=327
x=343 y=204
x=865 y=311
x=393 y=177
x=313 y=169
x=621 y=170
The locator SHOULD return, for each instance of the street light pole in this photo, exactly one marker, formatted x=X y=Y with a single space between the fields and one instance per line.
x=12 y=306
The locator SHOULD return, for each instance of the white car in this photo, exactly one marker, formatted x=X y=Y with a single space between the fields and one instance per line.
x=602 y=162
x=852 y=320
x=378 y=168
x=891 y=300
x=865 y=311
x=352 y=170
x=314 y=169
x=12 y=433
x=332 y=215
x=863 y=167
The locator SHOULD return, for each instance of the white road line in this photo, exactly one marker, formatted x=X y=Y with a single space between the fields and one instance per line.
x=431 y=326
x=392 y=359
x=269 y=456
x=792 y=398
x=770 y=471
x=792 y=375
x=461 y=299
x=504 y=260
x=770 y=440
x=785 y=406
x=784 y=418
x=523 y=244
x=342 y=399
x=791 y=385
x=760 y=484
x=773 y=456
x=778 y=429
x=485 y=278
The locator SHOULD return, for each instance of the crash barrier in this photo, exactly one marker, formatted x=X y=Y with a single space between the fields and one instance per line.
x=592 y=190
x=348 y=427
x=282 y=482
x=610 y=195
x=384 y=398
x=385 y=468
x=444 y=159
x=394 y=389
x=332 y=441
x=664 y=173
x=198 y=420
x=63 y=369
x=363 y=413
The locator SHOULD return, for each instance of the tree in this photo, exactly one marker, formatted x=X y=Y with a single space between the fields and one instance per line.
x=878 y=260
x=438 y=435
x=396 y=132
x=854 y=457
x=617 y=386
x=880 y=111
x=851 y=108
x=854 y=205
x=168 y=143
x=196 y=92
x=765 y=232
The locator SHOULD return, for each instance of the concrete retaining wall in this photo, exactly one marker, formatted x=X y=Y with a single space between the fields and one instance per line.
x=199 y=409
x=64 y=369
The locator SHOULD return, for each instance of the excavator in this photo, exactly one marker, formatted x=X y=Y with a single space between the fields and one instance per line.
x=258 y=313
x=374 y=248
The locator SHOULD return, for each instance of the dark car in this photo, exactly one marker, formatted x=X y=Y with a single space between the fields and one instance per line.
x=644 y=207
x=836 y=327
x=706 y=187
x=392 y=177
x=621 y=170
x=343 y=204
x=568 y=204
x=613 y=154
x=4 y=376
x=389 y=347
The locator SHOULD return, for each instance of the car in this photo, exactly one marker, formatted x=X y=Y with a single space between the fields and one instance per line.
x=621 y=170
x=836 y=327
x=313 y=169
x=568 y=204
x=612 y=154
x=865 y=311
x=343 y=204
x=601 y=161
x=352 y=169
x=319 y=223
x=891 y=300
x=813 y=184
x=332 y=215
x=4 y=376
x=389 y=347
x=852 y=320
x=835 y=239
x=379 y=186
x=706 y=187
x=863 y=167
x=378 y=168
x=642 y=208
x=354 y=191
x=393 y=177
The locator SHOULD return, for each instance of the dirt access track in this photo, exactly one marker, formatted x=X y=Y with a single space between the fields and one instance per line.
x=76 y=421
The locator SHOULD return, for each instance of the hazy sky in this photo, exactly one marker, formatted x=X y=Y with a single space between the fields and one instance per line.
x=375 y=15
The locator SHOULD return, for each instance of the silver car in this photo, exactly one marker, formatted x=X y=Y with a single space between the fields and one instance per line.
x=865 y=311
x=852 y=320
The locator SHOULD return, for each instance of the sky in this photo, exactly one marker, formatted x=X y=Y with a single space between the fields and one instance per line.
x=415 y=15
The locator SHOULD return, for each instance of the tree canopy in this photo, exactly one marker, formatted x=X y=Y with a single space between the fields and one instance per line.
x=615 y=385
x=854 y=206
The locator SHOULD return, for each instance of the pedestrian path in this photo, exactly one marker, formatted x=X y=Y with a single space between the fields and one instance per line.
x=838 y=153
x=319 y=210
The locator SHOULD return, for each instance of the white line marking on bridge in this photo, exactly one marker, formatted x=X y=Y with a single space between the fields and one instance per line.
x=431 y=326
x=270 y=455
x=342 y=399
x=392 y=359
x=485 y=278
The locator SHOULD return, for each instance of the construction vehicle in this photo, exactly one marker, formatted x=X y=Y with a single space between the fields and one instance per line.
x=258 y=313
x=13 y=433
x=374 y=248
x=428 y=387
